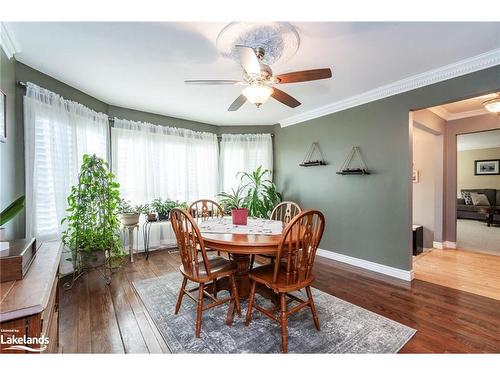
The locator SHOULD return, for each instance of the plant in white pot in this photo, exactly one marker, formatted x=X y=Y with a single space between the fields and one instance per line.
x=7 y=215
x=129 y=214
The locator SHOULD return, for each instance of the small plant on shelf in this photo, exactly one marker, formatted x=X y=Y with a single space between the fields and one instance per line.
x=130 y=214
x=163 y=207
x=92 y=235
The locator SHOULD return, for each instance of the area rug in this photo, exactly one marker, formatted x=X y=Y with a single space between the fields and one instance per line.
x=476 y=235
x=345 y=328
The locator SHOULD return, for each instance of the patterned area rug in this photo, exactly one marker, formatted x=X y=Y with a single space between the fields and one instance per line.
x=345 y=328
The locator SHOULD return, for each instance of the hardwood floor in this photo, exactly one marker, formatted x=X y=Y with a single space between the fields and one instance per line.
x=112 y=319
x=472 y=272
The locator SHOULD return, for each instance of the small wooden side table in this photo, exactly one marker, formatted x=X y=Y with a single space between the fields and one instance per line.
x=490 y=213
x=130 y=229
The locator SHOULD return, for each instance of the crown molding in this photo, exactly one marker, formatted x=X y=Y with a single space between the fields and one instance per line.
x=7 y=41
x=470 y=65
x=441 y=112
x=448 y=116
x=473 y=113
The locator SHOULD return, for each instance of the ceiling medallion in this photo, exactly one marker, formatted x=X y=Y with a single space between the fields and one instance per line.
x=279 y=40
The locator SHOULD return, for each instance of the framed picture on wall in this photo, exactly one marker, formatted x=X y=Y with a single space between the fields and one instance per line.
x=3 y=117
x=414 y=177
x=487 y=167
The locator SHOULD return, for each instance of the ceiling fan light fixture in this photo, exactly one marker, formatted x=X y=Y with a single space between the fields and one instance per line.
x=493 y=105
x=257 y=94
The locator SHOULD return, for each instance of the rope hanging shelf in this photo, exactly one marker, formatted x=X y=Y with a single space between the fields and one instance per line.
x=308 y=162
x=361 y=170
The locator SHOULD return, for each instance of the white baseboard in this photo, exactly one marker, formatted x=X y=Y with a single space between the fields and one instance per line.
x=366 y=264
x=450 y=245
x=438 y=245
x=444 y=245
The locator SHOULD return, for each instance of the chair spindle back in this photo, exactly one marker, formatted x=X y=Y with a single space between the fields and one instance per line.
x=297 y=248
x=189 y=241
x=285 y=212
x=205 y=208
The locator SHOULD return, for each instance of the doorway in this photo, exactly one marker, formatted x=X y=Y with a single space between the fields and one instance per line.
x=465 y=232
x=478 y=191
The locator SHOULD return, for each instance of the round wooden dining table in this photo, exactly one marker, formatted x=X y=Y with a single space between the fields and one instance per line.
x=241 y=247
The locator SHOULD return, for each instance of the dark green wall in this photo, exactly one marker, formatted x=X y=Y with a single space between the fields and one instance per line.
x=134 y=115
x=367 y=217
x=246 y=129
x=11 y=152
x=131 y=114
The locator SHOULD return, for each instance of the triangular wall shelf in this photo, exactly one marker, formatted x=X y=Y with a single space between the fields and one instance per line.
x=347 y=171
x=308 y=162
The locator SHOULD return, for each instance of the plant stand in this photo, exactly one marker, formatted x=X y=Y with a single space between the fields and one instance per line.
x=93 y=230
x=129 y=229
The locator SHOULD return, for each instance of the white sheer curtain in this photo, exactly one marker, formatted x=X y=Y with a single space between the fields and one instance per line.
x=57 y=133
x=243 y=152
x=154 y=161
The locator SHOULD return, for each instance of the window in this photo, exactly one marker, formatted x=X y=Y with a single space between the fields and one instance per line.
x=153 y=161
x=58 y=133
x=243 y=152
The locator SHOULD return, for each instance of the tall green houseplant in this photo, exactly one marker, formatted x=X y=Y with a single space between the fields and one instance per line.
x=93 y=227
x=261 y=193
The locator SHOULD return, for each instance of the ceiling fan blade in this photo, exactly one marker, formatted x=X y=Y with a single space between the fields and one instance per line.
x=211 y=82
x=284 y=98
x=249 y=60
x=240 y=100
x=305 y=75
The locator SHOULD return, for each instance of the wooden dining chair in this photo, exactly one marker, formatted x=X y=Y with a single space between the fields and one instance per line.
x=291 y=271
x=205 y=209
x=205 y=272
x=284 y=212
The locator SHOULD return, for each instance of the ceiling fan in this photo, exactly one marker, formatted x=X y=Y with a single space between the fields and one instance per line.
x=259 y=79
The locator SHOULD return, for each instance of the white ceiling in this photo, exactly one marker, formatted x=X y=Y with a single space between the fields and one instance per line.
x=143 y=65
x=475 y=141
x=464 y=108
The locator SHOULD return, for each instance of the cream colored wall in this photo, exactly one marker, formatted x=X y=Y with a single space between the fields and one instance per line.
x=424 y=157
x=465 y=169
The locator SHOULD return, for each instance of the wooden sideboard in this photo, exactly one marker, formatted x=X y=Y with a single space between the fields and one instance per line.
x=29 y=307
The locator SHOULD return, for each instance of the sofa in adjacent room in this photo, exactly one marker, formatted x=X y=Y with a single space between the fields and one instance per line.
x=468 y=211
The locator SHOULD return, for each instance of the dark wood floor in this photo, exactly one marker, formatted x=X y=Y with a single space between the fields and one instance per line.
x=95 y=318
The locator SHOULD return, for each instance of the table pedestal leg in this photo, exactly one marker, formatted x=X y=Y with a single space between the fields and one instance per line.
x=243 y=281
x=241 y=276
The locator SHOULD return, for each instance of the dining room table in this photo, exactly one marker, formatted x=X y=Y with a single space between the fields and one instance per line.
x=259 y=236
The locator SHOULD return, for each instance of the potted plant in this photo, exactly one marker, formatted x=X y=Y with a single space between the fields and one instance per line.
x=147 y=210
x=163 y=207
x=160 y=207
x=234 y=201
x=129 y=214
x=93 y=229
x=7 y=215
x=261 y=193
